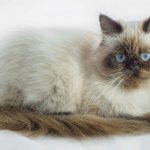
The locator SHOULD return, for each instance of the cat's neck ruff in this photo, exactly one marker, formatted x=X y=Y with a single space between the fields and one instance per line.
x=113 y=100
x=135 y=102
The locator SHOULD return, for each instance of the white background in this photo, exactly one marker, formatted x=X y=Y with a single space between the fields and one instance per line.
x=69 y=13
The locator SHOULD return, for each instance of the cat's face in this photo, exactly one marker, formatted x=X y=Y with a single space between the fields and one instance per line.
x=123 y=58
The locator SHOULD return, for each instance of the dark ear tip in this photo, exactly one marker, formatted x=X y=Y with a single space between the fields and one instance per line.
x=146 y=25
x=101 y=16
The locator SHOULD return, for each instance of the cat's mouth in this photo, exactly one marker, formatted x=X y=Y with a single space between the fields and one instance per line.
x=128 y=80
x=133 y=81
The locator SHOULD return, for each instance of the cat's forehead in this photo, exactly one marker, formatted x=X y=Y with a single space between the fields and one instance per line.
x=132 y=39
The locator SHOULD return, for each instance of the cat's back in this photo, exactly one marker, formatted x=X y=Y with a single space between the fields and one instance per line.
x=30 y=49
x=46 y=48
x=48 y=42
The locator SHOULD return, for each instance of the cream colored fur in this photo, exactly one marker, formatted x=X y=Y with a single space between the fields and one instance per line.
x=53 y=71
x=43 y=70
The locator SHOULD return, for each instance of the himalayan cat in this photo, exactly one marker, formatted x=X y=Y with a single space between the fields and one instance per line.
x=77 y=83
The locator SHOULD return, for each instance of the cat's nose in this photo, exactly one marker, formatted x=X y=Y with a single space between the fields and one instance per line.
x=135 y=69
x=133 y=66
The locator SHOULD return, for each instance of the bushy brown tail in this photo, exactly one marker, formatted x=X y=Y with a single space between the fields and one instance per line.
x=70 y=125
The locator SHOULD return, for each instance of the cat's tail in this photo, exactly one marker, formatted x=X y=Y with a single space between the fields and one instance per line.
x=30 y=123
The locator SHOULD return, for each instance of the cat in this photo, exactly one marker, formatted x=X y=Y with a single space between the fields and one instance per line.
x=77 y=83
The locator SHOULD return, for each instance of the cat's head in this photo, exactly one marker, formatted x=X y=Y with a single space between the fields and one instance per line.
x=123 y=57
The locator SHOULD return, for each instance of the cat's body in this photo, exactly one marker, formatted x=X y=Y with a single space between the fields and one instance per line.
x=45 y=71
x=75 y=71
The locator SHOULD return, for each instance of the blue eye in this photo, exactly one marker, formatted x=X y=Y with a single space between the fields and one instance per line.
x=120 y=57
x=145 y=56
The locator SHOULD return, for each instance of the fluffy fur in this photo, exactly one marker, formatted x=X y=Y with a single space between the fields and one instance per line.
x=63 y=72
x=78 y=126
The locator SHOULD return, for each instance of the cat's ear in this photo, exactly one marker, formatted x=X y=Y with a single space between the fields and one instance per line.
x=109 y=26
x=146 y=25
